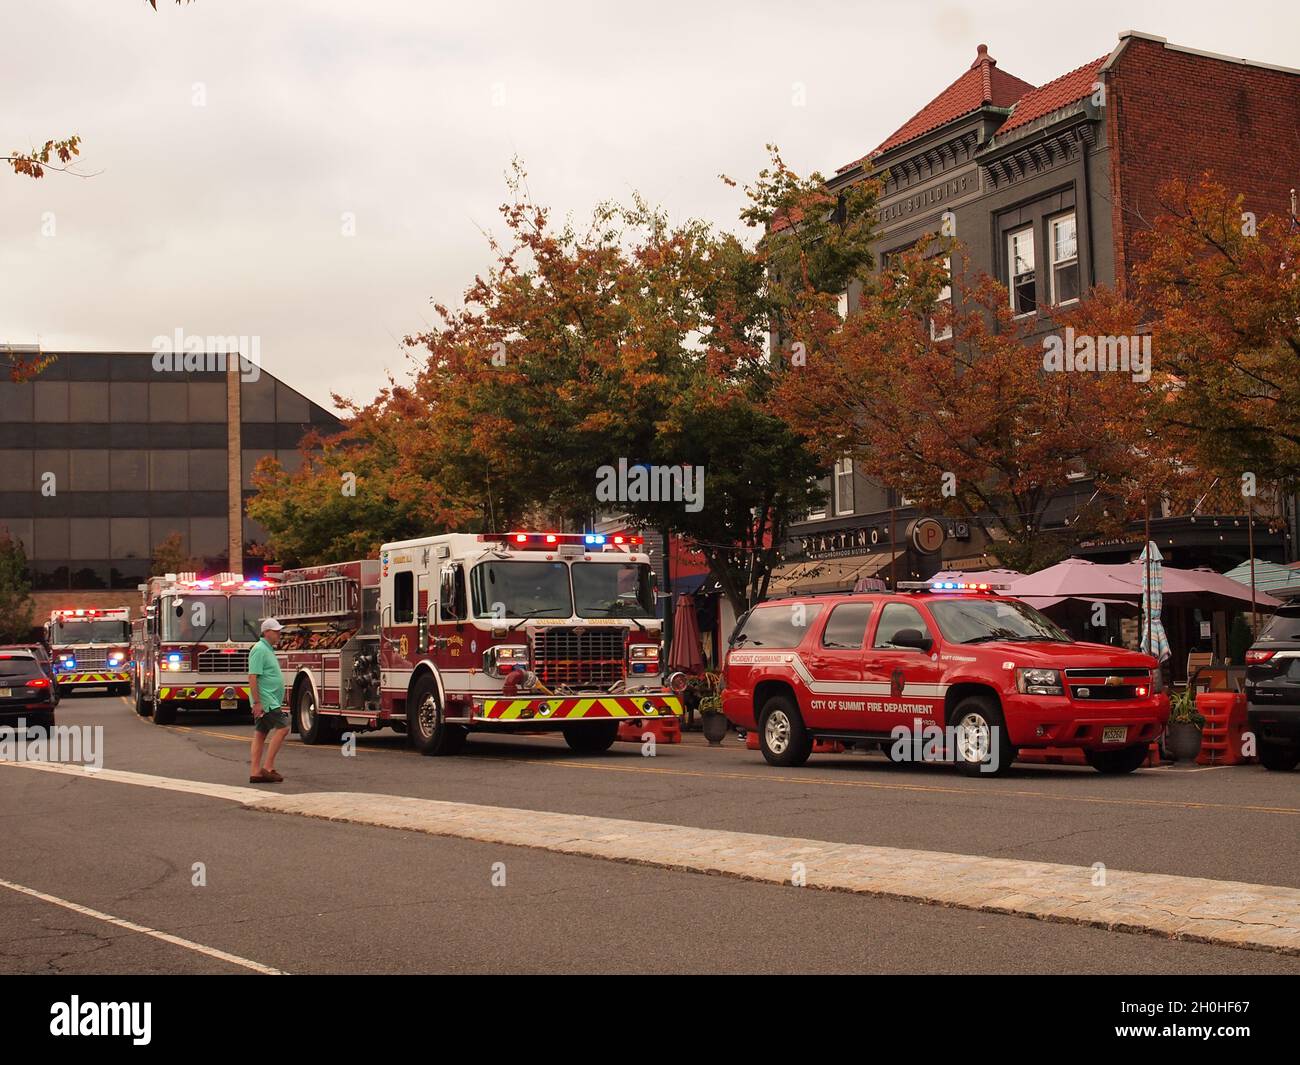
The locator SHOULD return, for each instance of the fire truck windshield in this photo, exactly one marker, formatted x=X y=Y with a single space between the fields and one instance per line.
x=606 y=590
x=67 y=633
x=199 y=617
x=246 y=614
x=521 y=589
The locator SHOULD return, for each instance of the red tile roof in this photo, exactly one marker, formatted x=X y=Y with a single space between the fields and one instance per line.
x=1064 y=90
x=982 y=84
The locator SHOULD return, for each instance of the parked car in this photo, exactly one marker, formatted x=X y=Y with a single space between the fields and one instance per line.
x=26 y=690
x=39 y=651
x=937 y=670
x=1273 y=690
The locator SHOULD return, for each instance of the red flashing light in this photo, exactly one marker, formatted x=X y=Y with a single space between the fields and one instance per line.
x=521 y=538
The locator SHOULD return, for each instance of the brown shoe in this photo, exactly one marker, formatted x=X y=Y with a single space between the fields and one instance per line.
x=260 y=778
x=272 y=776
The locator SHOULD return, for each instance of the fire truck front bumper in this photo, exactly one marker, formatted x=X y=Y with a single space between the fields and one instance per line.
x=578 y=708
x=89 y=680
x=211 y=696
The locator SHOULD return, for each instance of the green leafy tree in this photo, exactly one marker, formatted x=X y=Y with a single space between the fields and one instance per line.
x=16 y=604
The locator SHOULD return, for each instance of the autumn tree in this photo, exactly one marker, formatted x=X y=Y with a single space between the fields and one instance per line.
x=956 y=404
x=170 y=556
x=1221 y=289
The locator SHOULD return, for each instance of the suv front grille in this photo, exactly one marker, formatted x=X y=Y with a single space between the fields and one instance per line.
x=224 y=661
x=1108 y=684
x=578 y=657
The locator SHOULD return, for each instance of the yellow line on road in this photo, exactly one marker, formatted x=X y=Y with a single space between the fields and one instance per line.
x=929 y=789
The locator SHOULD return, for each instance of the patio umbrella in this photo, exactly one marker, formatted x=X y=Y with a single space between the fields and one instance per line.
x=1074 y=578
x=1154 y=641
x=1204 y=586
x=685 y=654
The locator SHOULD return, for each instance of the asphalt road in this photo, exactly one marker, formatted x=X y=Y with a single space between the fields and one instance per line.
x=303 y=895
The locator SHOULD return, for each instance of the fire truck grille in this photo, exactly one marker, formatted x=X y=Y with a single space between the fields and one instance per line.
x=579 y=658
x=90 y=658
x=223 y=661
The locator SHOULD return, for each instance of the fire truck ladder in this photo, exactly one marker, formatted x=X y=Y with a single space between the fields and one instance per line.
x=329 y=597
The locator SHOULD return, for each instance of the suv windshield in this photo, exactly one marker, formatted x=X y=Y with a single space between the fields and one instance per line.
x=188 y=618
x=979 y=620
x=67 y=633
x=1284 y=625
x=606 y=589
x=521 y=590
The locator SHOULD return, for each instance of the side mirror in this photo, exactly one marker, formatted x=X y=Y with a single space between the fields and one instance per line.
x=912 y=638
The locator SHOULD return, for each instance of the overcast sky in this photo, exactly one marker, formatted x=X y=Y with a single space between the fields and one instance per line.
x=227 y=218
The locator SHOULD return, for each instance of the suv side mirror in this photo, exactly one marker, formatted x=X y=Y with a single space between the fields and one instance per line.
x=912 y=638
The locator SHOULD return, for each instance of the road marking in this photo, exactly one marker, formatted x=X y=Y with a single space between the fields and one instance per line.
x=1257 y=916
x=874 y=785
x=131 y=926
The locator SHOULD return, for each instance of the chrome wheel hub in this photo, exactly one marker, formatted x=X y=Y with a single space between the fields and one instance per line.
x=973 y=738
x=776 y=731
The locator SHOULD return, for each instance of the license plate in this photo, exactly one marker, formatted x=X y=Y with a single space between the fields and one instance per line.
x=1114 y=733
x=6 y=693
x=229 y=704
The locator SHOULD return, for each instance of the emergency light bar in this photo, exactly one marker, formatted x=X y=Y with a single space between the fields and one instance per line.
x=545 y=540
x=950 y=586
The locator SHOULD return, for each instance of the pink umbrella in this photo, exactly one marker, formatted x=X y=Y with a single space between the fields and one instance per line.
x=1192 y=582
x=1075 y=577
x=685 y=654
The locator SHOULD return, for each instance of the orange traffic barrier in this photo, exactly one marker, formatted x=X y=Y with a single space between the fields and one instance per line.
x=1224 y=729
x=819 y=746
x=669 y=730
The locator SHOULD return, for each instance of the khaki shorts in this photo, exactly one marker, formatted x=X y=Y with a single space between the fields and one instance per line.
x=272 y=720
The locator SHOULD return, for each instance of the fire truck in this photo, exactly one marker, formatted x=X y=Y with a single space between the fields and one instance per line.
x=192 y=648
x=503 y=632
x=90 y=648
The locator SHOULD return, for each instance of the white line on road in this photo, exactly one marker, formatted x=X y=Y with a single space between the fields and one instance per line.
x=131 y=926
x=1230 y=913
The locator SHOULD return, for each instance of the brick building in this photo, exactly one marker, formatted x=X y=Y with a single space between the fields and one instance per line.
x=1048 y=186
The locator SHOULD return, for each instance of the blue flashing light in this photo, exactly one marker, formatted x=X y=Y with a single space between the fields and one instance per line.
x=595 y=538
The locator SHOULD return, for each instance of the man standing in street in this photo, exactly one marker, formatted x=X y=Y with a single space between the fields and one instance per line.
x=266 y=692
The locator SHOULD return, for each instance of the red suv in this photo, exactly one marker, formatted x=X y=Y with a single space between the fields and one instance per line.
x=947 y=670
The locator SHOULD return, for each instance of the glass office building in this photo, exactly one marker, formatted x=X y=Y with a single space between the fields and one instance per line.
x=103 y=457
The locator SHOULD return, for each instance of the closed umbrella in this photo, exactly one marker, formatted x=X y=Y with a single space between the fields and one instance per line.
x=1154 y=641
x=685 y=654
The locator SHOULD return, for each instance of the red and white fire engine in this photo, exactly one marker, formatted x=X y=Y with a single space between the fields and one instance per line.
x=192 y=649
x=90 y=648
x=503 y=632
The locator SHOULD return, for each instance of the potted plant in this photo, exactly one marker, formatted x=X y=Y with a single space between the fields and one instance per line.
x=1183 y=733
x=713 y=720
x=698 y=688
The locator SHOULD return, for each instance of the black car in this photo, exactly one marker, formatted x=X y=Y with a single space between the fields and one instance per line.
x=1273 y=689
x=26 y=690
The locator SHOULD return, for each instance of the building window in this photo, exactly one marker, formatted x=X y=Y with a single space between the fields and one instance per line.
x=1065 y=259
x=844 y=487
x=943 y=331
x=1020 y=271
x=819 y=512
x=842 y=305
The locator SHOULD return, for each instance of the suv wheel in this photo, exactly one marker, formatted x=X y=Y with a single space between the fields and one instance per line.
x=1112 y=763
x=782 y=737
x=983 y=748
x=1279 y=756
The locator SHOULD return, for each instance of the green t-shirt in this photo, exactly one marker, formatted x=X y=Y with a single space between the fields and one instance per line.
x=270 y=681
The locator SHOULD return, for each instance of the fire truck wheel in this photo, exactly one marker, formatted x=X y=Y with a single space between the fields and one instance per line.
x=1125 y=760
x=592 y=738
x=142 y=706
x=981 y=734
x=781 y=734
x=164 y=713
x=313 y=727
x=427 y=731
